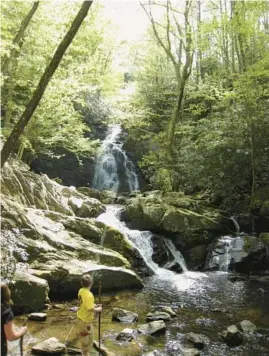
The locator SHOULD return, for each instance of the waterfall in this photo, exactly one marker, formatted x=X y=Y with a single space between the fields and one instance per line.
x=141 y=240
x=237 y=227
x=178 y=258
x=227 y=250
x=111 y=160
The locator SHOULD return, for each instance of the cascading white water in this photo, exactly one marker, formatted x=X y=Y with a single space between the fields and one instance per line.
x=110 y=156
x=237 y=227
x=141 y=240
x=178 y=258
x=227 y=249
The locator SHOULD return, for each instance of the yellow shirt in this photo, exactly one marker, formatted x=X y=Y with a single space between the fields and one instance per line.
x=86 y=305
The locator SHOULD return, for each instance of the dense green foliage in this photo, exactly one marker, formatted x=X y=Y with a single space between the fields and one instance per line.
x=85 y=67
x=198 y=120
x=221 y=141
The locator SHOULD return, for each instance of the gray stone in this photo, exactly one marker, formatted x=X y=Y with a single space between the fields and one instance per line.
x=50 y=346
x=124 y=316
x=190 y=352
x=158 y=315
x=29 y=292
x=126 y=335
x=198 y=340
x=152 y=328
x=232 y=336
x=38 y=316
x=247 y=326
x=169 y=310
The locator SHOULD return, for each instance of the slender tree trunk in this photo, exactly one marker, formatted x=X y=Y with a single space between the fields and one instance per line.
x=49 y=71
x=232 y=38
x=18 y=39
x=199 y=43
x=253 y=157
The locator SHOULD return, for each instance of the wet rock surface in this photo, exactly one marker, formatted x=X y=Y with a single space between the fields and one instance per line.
x=51 y=346
x=152 y=328
x=124 y=316
x=232 y=336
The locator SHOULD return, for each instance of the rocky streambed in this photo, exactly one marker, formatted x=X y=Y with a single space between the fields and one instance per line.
x=204 y=304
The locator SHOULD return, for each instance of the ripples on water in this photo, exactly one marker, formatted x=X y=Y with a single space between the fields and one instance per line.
x=209 y=303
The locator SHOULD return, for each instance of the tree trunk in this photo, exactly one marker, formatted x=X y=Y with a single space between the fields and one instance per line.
x=18 y=39
x=49 y=71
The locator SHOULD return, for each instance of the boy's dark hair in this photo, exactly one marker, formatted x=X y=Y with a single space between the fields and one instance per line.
x=86 y=280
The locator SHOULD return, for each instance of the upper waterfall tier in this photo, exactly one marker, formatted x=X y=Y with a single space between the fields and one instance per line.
x=114 y=171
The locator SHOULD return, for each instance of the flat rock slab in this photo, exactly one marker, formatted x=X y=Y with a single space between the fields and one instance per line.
x=124 y=316
x=50 y=346
x=190 y=352
x=158 y=315
x=38 y=316
x=152 y=327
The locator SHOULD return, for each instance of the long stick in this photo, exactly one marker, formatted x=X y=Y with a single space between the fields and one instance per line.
x=99 y=319
x=21 y=339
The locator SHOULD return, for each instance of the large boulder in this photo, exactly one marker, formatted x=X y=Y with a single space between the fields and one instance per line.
x=232 y=336
x=178 y=215
x=29 y=292
x=64 y=277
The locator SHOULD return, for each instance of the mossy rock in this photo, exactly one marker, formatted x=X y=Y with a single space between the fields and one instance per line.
x=265 y=238
x=90 y=192
x=260 y=201
x=84 y=227
x=115 y=240
x=29 y=292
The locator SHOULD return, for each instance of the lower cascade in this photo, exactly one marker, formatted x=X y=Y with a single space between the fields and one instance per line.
x=226 y=251
x=141 y=240
x=114 y=171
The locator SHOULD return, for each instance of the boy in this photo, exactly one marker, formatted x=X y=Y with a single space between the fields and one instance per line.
x=85 y=314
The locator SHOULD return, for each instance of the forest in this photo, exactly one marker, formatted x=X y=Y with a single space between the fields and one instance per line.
x=135 y=147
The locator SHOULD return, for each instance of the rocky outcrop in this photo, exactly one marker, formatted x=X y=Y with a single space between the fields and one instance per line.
x=177 y=214
x=57 y=238
x=65 y=165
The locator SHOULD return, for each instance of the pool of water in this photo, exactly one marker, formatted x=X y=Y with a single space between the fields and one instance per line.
x=205 y=303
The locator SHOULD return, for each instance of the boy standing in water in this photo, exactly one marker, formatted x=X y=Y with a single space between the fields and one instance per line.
x=85 y=314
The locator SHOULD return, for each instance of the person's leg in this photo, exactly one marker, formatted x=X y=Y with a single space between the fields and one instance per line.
x=86 y=337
